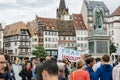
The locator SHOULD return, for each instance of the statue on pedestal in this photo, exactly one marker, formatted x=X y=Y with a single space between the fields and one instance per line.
x=98 y=20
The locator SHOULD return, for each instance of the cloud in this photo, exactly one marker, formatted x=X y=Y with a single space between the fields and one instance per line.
x=34 y=3
x=25 y=10
x=7 y=1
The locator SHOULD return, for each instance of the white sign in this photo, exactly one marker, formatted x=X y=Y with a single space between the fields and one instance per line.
x=72 y=55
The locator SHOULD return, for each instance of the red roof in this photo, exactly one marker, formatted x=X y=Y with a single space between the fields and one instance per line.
x=116 y=12
x=50 y=23
x=79 y=22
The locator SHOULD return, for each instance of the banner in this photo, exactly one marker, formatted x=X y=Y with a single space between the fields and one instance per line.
x=71 y=54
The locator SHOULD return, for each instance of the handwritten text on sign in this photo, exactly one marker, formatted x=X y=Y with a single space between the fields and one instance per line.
x=71 y=54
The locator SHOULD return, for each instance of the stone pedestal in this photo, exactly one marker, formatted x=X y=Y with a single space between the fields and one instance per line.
x=98 y=45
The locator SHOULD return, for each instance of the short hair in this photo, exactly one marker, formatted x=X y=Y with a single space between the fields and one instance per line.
x=89 y=60
x=87 y=55
x=106 y=58
x=51 y=67
x=80 y=64
x=7 y=57
x=97 y=59
x=54 y=59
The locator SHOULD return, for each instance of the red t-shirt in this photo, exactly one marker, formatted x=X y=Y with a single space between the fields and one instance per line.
x=80 y=75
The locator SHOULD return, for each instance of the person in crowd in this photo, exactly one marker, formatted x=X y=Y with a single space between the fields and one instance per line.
x=20 y=62
x=8 y=68
x=33 y=69
x=9 y=72
x=84 y=57
x=97 y=64
x=50 y=70
x=20 y=65
x=7 y=75
x=65 y=61
x=16 y=61
x=48 y=58
x=2 y=66
x=23 y=62
x=38 y=71
x=54 y=59
x=73 y=66
x=90 y=62
x=26 y=73
x=116 y=71
x=80 y=73
x=61 y=73
x=104 y=72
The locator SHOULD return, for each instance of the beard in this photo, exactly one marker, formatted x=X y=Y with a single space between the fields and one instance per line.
x=2 y=70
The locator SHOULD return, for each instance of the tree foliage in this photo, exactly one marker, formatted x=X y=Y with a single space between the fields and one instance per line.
x=39 y=52
x=113 y=48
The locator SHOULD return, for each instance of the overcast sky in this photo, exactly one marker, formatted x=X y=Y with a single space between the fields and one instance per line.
x=25 y=10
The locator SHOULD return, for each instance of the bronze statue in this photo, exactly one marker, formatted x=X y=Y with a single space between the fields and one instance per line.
x=98 y=20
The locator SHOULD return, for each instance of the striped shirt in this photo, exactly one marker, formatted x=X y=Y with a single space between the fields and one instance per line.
x=116 y=72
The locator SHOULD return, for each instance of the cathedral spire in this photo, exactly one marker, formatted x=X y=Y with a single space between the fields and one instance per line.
x=62 y=10
x=62 y=4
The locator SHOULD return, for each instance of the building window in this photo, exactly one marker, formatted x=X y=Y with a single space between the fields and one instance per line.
x=72 y=38
x=81 y=44
x=21 y=50
x=35 y=40
x=109 y=33
x=40 y=27
x=0 y=35
x=48 y=45
x=81 y=38
x=55 y=45
x=15 y=43
x=26 y=50
x=64 y=38
x=85 y=44
x=78 y=38
x=45 y=39
x=15 y=50
x=23 y=32
x=45 y=33
x=78 y=45
x=90 y=12
x=72 y=45
x=40 y=40
x=112 y=32
x=68 y=44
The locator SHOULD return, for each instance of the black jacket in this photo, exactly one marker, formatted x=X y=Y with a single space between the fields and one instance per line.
x=25 y=73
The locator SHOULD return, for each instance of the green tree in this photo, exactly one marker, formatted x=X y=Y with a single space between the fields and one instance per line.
x=113 y=48
x=39 y=52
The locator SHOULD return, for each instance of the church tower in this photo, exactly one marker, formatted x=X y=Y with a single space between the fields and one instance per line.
x=62 y=10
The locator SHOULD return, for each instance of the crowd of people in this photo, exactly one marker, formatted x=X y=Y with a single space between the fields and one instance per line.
x=49 y=68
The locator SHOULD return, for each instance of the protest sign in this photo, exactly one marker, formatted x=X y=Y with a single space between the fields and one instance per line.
x=71 y=54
